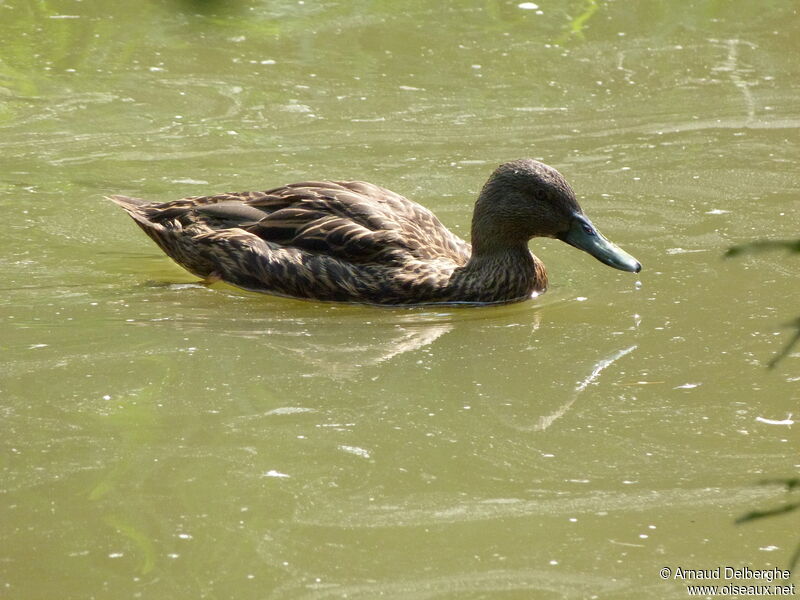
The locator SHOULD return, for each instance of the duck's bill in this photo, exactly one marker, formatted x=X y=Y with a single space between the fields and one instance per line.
x=584 y=236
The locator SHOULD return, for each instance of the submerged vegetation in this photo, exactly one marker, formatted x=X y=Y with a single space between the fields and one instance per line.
x=792 y=484
x=792 y=246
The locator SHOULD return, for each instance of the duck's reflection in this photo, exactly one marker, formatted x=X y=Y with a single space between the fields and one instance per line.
x=524 y=365
x=348 y=357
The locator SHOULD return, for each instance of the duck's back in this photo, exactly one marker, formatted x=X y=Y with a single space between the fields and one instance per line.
x=355 y=221
x=325 y=240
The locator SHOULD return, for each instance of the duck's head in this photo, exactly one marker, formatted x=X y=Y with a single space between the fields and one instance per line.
x=524 y=199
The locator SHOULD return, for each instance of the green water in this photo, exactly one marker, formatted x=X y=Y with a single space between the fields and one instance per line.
x=161 y=439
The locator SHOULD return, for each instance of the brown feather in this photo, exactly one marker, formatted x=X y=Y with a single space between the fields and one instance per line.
x=354 y=241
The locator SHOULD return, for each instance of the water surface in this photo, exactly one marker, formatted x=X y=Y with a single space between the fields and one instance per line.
x=166 y=440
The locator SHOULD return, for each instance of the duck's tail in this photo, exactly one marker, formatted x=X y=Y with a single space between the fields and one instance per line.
x=170 y=235
x=131 y=205
x=134 y=207
x=126 y=201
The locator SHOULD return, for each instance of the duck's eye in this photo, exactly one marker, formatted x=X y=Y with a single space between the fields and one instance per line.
x=588 y=229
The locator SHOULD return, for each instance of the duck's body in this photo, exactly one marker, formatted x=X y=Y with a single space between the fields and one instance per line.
x=357 y=242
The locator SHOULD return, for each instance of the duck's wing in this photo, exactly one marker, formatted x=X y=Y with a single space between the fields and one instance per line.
x=354 y=221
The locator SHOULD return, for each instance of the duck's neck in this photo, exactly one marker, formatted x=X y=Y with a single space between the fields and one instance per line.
x=501 y=268
x=499 y=274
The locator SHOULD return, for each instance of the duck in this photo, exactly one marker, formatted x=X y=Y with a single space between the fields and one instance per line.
x=356 y=242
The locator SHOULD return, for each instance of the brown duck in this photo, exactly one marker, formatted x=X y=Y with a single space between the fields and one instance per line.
x=351 y=241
